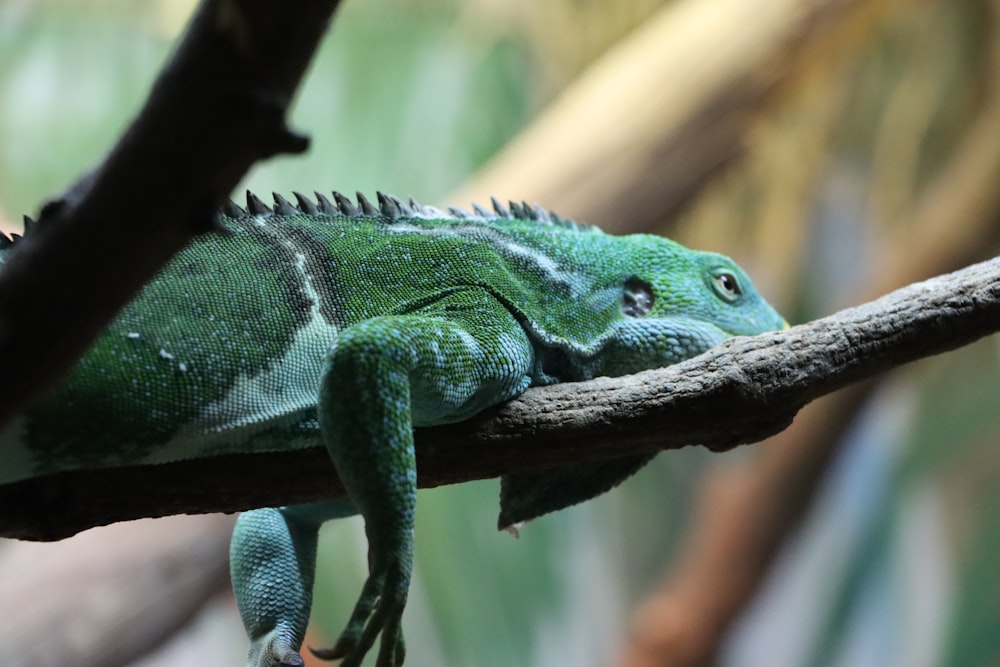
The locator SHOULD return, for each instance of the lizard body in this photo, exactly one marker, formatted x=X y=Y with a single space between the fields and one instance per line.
x=346 y=324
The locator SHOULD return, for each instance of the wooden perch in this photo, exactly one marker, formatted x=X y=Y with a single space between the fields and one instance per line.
x=217 y=107
x=741 y=391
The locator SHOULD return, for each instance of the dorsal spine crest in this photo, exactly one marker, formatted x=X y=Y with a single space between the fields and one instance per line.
x=391 y=208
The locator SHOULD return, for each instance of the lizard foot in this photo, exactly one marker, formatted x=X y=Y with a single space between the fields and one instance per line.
x=274 y=652
x=379 y=610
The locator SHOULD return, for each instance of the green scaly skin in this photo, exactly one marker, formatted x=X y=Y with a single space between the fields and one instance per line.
x=347 y=324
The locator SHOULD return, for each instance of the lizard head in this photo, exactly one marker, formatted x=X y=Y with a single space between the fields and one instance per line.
x=677 y=303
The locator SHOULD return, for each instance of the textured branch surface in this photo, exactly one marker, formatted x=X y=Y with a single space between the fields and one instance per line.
x=216 y=108
x=741 y=391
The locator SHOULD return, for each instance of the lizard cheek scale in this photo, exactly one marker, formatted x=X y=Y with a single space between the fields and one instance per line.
x=341 y=324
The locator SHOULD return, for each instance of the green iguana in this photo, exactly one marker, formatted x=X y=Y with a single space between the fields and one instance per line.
x=345 y=324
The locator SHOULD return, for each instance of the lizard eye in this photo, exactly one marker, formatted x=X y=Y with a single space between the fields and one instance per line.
x=637 y=298
x=727 y=286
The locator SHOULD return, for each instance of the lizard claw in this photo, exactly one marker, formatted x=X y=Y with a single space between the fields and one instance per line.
x=335 y=652
x=331 y=653
x=391 y=651
x=379 y=610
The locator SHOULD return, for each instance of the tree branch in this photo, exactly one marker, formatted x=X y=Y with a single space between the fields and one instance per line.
x=216 y=108
x=742 y=391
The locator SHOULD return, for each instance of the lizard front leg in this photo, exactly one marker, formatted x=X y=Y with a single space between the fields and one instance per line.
x=443 y=363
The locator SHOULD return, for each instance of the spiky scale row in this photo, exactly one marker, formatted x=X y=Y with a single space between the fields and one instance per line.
x=393 y=208
x=389 y=206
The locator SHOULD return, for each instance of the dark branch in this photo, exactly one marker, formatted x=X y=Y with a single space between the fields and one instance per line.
x=217 y=107
x=741 y=391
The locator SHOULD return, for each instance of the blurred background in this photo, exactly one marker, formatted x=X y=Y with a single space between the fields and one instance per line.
x=838 y=149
